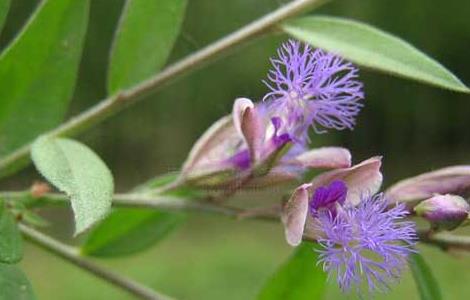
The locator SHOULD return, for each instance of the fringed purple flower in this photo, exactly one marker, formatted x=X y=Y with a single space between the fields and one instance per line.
x=312 y=87
x=365 y=245
x=328 y=197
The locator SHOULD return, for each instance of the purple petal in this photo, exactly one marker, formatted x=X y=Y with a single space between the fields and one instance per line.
x=241 y=160
x=327 y=197
x=363 y=178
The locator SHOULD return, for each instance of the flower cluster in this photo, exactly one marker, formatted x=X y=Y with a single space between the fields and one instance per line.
x=364 y=240
x=307 y=88
x=364 y=243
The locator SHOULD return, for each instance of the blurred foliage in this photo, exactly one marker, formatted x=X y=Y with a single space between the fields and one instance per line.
x=416 y=128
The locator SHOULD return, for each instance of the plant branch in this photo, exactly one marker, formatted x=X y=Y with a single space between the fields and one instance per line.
x=115 y=103
x=71 y=255
x=164 y=203
x=169 y=203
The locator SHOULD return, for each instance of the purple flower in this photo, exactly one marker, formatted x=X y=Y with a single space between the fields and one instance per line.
x=312 y=87
x=327 y=197
x=365 y=244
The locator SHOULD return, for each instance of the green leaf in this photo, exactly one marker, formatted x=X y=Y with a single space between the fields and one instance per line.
x=11 y=246
x=38 y=71
x=76 y=170
x=425 y=281
x=127 y=231
x=372 y=48
x=14 y=285
x=299 y=278
x=146 y=34
x=4 y=7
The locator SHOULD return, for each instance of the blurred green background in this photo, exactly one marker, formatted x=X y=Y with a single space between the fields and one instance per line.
x=415 y=127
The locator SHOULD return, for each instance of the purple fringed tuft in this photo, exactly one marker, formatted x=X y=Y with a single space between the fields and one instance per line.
x=367 y=244
x=313 y=88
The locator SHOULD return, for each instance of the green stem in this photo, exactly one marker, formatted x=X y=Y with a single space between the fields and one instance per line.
x=169 y=203
x=71 y=255
x=115 y=103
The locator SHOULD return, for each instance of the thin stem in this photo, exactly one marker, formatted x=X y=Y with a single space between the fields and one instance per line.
x=115 y=103
x=169 y=203
x=164 y=203
x=71 y=255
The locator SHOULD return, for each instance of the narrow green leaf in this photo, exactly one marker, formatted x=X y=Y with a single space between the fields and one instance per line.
x=146 y=34
x=299 y=278
x=425 y=281
x=38 y=71
x=31 y=218
x=11 y=246
x=157 y=182
x=372 y=48
x=4 y=7
x=76 y=170
x=14 y=285
x=127 y=231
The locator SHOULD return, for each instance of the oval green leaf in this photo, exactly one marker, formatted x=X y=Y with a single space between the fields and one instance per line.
x=127 y=231
x=4 y=7
x=374 y=48
x=14 y=284
x=11 y=244
x=76 y=170
x=146 y=34
x=426 y=283
x=38 y=71
x=298 y=279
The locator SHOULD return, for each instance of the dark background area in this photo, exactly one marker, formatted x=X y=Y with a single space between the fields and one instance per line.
x=415 y=127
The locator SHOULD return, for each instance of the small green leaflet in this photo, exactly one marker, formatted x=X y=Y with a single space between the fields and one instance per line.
x=13 y=284
x=37 y=85
x=4 y=7
x=374 y=48
x=298 y=279
x=146 y=34
x=11 y=244
x=76 y=170
x=127 y=231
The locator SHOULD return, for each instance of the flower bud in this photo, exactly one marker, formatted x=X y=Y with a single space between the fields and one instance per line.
x=444 y=211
